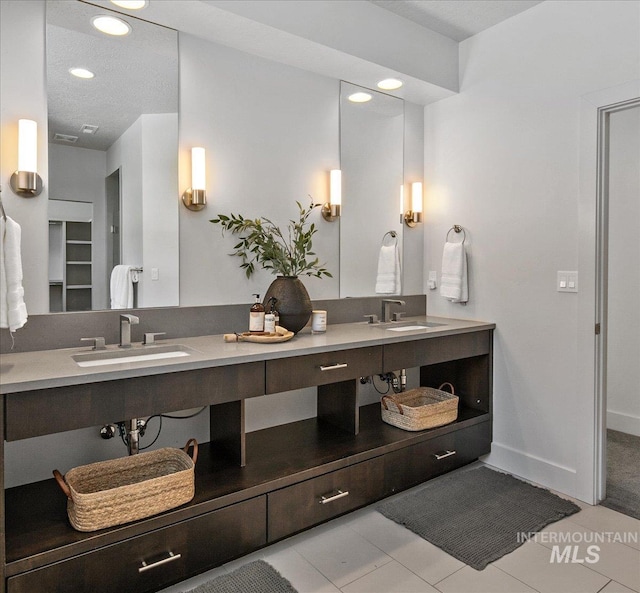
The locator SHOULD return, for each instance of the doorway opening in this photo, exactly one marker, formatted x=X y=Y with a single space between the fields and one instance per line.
x=618 y=281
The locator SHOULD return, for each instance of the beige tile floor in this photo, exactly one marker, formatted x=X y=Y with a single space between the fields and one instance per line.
x=364 y=552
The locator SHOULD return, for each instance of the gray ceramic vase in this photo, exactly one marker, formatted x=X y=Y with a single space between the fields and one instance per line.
x=293 y=304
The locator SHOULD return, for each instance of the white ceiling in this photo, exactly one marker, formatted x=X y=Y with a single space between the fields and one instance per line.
x=73 y=103
x=456 y=19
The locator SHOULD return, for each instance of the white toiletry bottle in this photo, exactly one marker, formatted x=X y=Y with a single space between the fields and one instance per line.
x=269 y=322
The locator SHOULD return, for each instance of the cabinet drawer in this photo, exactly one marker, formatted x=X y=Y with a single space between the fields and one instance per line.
x=157 y=559
x=300 y=506
x=410 y=466
x=321 y=369
x=93 y=404
x=404 y=355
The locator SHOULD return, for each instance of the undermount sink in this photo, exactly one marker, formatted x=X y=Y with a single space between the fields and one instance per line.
x=395 y=326
x=138 y=354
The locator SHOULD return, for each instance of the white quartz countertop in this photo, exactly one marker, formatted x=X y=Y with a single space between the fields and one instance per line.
x=44 y=369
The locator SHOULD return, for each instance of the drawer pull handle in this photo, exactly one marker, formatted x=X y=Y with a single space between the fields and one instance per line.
x=333 y=367
x=170 y=558
x=444 y=454
x=340 y=494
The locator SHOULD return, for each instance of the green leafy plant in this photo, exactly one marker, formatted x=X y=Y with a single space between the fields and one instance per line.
x=262 y=242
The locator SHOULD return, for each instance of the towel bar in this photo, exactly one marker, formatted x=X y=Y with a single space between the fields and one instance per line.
x=458 y=229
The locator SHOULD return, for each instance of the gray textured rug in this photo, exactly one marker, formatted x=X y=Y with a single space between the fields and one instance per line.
x=255 y=577
x=623 y=475
x=478 y=515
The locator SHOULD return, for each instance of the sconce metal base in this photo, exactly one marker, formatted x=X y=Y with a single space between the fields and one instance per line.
x=26 y=184
x=411 y=218
x=330 y=212
x=194 y=199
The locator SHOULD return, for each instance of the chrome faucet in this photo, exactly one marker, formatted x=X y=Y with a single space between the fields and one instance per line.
x=386 y=307
x=126 y=321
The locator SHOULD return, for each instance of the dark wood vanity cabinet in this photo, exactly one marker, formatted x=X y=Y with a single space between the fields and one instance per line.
x=251 y=488
x=149 y=562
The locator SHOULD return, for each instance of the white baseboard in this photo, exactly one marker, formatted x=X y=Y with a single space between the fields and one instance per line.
x=533 y=469
x=623 y=422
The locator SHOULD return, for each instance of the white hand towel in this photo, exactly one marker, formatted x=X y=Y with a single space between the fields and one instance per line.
x=13 y=311
x=122 y=287
x=454 y=283
x=388 y=278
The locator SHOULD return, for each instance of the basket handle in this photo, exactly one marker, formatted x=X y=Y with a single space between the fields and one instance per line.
x=453 y=391
x=194 y=443
x=63 y=485
x=390 y=398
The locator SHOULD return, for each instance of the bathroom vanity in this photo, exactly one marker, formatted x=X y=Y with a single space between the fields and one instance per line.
x=252 y=489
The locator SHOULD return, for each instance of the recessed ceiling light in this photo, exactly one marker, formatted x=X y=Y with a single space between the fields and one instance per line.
x=81 y=72
x=390 y=84
x=130 y=4
x=111 y=25
x=360 y=97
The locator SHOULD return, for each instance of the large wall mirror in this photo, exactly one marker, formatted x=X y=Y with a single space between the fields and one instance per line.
x=113 y=150
x=371 y=158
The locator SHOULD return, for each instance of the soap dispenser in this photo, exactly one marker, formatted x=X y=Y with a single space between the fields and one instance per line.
x=256 y=316
x=272 y=309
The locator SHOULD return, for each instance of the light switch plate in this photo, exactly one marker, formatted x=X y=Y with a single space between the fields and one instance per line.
x=567 y=282
x=433 y=280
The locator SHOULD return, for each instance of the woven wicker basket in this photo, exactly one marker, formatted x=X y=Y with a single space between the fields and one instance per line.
x=118 y=491
x=420 y=408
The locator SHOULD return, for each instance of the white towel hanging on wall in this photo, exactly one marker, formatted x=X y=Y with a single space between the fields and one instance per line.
x=388 y=280
x=122 y=287
x=454 y=283
x=13 y=311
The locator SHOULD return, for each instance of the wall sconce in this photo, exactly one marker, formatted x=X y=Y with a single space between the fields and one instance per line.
x=414 y=216
x=25 y=181
x=331 y=209
x=195 y=197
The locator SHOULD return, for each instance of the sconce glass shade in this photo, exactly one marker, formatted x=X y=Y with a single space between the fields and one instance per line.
x=198 y=174
x=195 y=198
x=414 y=216
x=335 y=188
x=331 y=209
x=416 y=196
x=25 y=181
x=27 y=145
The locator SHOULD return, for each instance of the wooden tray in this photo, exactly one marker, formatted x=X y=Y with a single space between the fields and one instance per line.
x=281 y=335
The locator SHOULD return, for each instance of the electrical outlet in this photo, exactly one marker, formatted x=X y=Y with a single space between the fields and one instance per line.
x=567 y=282
x=433 y=280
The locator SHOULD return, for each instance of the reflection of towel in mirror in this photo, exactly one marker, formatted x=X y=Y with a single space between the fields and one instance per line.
x=454 y=284
x=13 y=311
x=121 y=287
x=388 y=279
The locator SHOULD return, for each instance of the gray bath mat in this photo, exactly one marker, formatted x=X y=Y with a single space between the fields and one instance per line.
x=255 y=577
x=478 y=515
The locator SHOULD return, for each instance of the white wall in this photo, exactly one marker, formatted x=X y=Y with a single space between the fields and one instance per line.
x=501 y=159
x=22 y=39
x=623 y=331
x=160 y=240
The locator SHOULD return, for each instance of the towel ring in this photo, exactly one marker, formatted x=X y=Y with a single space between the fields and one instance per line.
x=391 y=234
x=458 y=229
